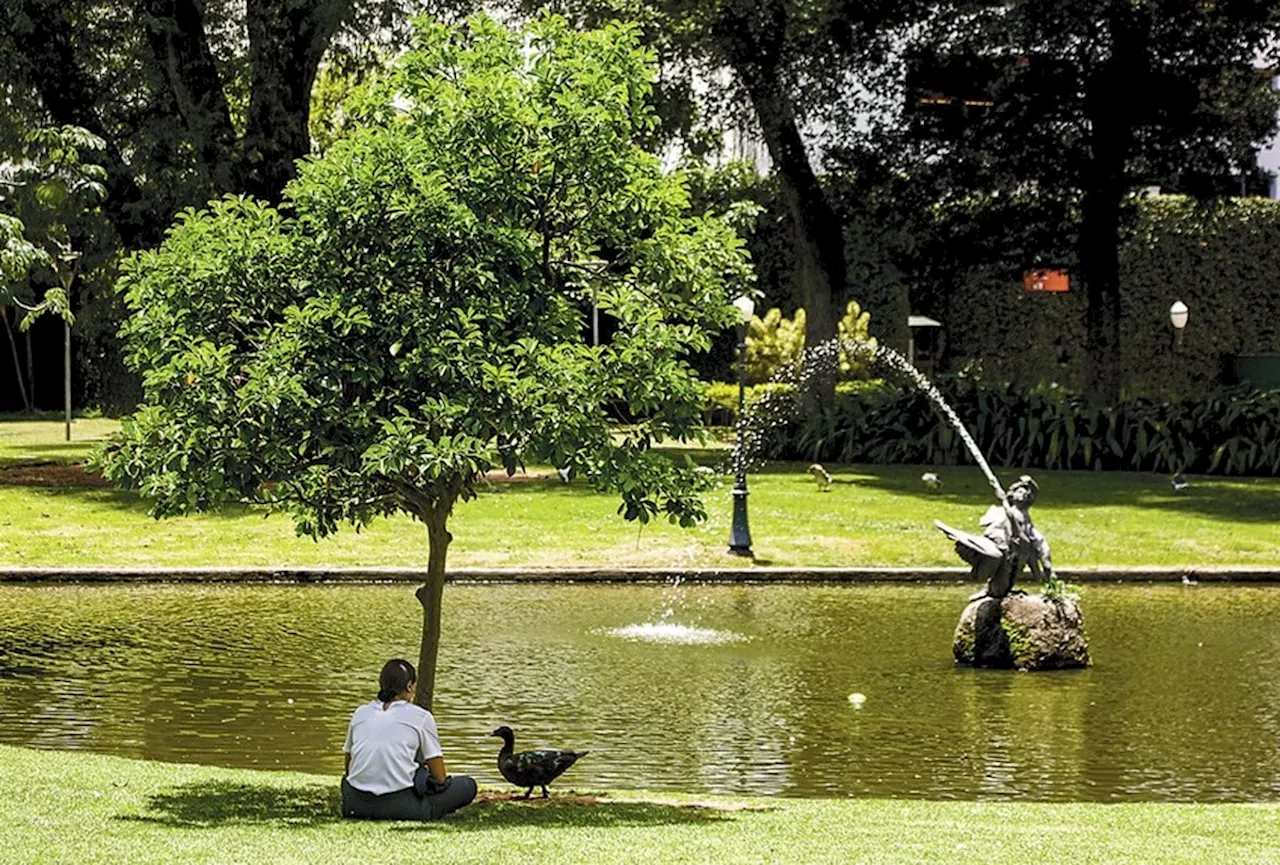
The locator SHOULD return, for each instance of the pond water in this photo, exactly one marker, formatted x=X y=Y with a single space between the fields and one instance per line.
x=738 y=689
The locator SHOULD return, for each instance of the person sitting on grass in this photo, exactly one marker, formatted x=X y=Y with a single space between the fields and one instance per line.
x=394 y=764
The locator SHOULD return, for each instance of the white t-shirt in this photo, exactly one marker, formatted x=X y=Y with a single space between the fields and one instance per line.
x=386 y=747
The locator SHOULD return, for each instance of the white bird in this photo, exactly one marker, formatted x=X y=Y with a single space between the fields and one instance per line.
x=931 y=480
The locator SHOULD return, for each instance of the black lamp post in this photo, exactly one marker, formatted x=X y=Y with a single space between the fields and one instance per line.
x=740 y=532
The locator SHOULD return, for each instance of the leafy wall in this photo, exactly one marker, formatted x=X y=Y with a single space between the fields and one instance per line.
x=1221 y=259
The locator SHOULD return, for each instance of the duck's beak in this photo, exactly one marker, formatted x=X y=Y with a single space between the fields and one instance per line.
x=496 y=733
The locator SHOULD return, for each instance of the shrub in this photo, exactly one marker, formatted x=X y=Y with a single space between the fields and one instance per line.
x=720 y=398
x=775 y=343
x=1232 y=431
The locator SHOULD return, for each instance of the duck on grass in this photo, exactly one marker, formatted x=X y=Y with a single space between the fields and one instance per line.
x=532 y=768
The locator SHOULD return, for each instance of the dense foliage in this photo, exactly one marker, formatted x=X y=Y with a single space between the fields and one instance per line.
x=414 y=316
x=1233 y=432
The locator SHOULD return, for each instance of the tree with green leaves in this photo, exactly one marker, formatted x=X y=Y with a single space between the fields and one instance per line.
x=49 y=200
x=413 y=316
x=194 y=98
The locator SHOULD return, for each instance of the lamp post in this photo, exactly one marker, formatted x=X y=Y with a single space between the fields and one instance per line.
x=740 y=532
x=67 y=275
x=1178 y=314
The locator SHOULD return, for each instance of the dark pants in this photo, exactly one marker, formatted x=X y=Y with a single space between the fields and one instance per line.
x=406 y=804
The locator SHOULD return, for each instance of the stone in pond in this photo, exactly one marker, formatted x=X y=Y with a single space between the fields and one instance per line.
x=1026 y=632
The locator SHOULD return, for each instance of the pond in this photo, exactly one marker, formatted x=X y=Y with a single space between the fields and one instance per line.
x=740 y=689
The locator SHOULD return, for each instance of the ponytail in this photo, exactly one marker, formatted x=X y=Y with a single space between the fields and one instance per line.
x=396 y=678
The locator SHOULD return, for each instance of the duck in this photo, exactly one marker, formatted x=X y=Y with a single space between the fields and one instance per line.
x=532 y=768
x=822 y=476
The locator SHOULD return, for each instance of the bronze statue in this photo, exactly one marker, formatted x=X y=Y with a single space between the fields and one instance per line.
x=1009 y=542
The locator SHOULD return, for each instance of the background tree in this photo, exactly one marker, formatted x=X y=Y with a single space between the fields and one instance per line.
x=49 y=210
x=787 y=61
x=1053 y=113
x=194 y=98
x=414 y=315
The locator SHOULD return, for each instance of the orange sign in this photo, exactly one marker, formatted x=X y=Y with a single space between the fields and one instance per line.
x=1046 y=280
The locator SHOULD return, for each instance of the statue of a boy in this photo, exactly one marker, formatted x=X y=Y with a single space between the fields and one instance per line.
x=1008 y=542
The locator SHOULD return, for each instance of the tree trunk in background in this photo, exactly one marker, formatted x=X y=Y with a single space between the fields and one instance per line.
x=1100 y=272
x=17 y=364
x=750 y=36
x=1109 y=103
x=54 y=44
x=287 y=38
x=819 y=249
x=431 y=595
x=176 y=33
x=31 y=367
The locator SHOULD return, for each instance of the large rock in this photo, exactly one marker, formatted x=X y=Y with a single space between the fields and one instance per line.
x=1029 y=632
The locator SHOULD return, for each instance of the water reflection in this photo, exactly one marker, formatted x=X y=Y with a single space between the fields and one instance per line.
x=1184 y=703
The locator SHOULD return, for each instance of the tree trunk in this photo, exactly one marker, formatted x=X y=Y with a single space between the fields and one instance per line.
x=750 y=35
x=176 y=33
x=430 y=595
x=286 y=41
x=17 y=364
x=31 y=367
x=1109 y=103
x=1100 y=272
x=819 y=236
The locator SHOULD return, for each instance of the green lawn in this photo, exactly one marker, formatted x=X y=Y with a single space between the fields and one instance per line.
x=63 y=807
x=873 y=516
x=24 y=441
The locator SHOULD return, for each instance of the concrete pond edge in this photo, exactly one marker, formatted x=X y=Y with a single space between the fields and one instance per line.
x=750 y=575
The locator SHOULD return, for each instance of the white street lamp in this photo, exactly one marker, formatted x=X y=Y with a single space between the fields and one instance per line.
x=1178 y=314
x=747 y=307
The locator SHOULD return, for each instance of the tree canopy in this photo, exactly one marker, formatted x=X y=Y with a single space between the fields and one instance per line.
x=413 y=314
x=194 y=98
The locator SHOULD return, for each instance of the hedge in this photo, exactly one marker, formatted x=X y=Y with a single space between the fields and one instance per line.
x=720 y=399
x=1234 y=431
x=1222 y=260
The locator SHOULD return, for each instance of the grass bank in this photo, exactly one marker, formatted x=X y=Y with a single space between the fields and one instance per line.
x=873 y=516
x=81 y=808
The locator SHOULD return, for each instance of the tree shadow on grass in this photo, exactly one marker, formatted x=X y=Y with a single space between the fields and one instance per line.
x=209 y=804
x=1234 y=499
x=132 y=501
x=498 y=811
x=214 y=804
